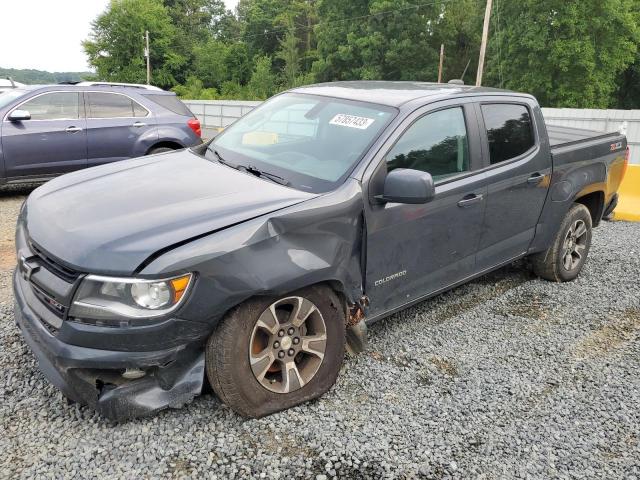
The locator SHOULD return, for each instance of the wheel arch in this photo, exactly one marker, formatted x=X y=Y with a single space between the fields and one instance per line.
x=336 y=286
x=164 y=144
x=594 y=201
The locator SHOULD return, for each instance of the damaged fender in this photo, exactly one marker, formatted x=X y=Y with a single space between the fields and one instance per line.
x=320 y=240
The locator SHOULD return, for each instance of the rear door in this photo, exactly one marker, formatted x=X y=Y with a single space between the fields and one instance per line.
x=518 y=169
x=52 y=142
x=416 y=250
x=118 y=127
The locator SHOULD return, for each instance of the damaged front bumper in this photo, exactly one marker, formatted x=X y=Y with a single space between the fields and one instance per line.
x=93 y=377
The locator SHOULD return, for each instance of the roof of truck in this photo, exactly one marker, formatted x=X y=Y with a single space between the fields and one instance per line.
x=393 y=94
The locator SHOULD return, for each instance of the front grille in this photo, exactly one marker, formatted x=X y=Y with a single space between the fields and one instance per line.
x=52 y=330
x=55 y=267
x=56 y=307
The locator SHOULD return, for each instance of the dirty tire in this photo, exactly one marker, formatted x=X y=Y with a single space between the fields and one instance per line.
x=552 y=264
x=228 y=354
x=154 y=151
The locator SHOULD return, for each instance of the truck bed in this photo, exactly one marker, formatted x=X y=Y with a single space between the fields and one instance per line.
x=565 y=136
x=594 y=151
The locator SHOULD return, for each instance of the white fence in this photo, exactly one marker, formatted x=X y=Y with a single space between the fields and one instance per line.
x=219 y=113
x=600 y=120
x=222 y=113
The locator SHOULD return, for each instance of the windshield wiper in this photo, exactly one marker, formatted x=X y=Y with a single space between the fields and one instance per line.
x=261 y=173
x=250 y=169
x=221 y=159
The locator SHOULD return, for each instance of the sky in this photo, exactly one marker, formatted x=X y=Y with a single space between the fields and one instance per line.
x=47 y=34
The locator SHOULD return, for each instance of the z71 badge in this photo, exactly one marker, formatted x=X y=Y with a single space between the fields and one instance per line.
x=616 y=146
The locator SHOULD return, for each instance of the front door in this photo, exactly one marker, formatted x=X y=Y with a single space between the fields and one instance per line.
x=52 y=142
x=118 y=127
x=416 y=250
x=518 y=177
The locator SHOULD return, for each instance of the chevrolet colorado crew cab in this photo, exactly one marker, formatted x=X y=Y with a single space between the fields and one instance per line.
x=246 y=259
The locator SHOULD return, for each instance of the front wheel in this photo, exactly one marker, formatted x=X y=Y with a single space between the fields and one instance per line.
x=564 y=260
x=270 y=354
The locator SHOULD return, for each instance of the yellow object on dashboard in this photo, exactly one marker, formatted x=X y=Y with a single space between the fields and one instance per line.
x=260 y=138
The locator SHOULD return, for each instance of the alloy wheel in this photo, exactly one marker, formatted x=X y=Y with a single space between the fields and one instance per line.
x=287 y=344
x=575 y=245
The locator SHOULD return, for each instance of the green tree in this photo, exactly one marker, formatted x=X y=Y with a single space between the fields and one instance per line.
x=567 y=53
x=263 y=82
x=260 y=27
x=193 y=89
x=210 y=62
x=290 y=56
x=116 y=44
x=628 y=94
x=459 y=28
x=376 y=39
x=238 y=63
x=194 y=23
x=232 y=90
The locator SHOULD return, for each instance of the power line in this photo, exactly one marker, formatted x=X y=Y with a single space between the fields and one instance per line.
x=348 y=19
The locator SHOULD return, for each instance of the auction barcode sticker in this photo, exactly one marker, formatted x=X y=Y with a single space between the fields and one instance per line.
x=352 y=121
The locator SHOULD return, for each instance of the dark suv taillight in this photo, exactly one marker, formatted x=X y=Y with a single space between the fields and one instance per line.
x=194 y=124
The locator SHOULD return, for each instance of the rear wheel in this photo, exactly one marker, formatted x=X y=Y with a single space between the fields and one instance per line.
x=270 y=354
x=564 y=260
x=153 y=151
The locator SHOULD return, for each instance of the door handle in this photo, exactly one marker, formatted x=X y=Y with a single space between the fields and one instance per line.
x=139 y=124
x=470 y=200
x=73 y=129
x=535 y=179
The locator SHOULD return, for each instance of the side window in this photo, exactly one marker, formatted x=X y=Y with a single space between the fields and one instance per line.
x=54 y=106
x=437 y=143
x=139 y=110
x=111 y=105
x=509 y=130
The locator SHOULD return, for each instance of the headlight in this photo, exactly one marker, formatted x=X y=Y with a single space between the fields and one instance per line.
x=114 y=298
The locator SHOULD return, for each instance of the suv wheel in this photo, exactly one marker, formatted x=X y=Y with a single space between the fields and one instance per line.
x=564 y=260
x=270 y=354
x=153 y=151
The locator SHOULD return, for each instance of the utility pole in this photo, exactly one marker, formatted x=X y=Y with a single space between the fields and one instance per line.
x=441 y=63
x=483 y=46
x=147 y=54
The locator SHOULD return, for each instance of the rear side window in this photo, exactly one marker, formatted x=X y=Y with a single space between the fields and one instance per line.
x=509 y=130
x=54 y=106
x=170 y=102
x=111 y=105
x=437 y=144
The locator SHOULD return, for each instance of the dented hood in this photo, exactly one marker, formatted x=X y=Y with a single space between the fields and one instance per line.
x=110 y=219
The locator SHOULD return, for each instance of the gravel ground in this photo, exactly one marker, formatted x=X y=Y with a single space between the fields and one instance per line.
x=507 y=377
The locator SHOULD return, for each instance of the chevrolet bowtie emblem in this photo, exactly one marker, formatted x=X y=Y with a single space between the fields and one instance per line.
x=27 y=269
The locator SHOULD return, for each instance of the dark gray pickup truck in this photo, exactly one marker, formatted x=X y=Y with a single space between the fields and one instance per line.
x=247 y=259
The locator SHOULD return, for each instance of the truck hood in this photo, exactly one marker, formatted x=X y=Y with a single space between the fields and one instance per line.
x=110 y=219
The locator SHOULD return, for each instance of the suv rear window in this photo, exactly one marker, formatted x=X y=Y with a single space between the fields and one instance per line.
x=171 y=102
x=509 y=130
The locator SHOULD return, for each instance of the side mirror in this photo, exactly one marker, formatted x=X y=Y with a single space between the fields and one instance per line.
x=19 y=115
x=405 y=185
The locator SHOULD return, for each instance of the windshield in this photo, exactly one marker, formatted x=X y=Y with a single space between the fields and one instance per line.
x=8 y=96
x=309 y=141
